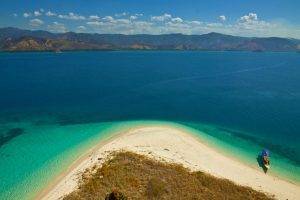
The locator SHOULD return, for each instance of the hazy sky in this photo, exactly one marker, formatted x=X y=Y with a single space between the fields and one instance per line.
x=236 y=17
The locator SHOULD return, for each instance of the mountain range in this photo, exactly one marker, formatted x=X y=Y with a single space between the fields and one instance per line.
x=15 y=39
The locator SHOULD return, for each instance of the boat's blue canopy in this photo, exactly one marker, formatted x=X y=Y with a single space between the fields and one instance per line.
x=265 y=152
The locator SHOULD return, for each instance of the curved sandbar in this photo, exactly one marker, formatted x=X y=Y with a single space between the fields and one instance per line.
x=173 y=145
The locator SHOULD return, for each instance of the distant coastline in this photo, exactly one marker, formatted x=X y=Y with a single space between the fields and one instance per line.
x=139 y=50
x=14 y=39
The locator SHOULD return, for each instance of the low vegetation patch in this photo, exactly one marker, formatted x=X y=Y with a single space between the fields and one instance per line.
x=131 y=176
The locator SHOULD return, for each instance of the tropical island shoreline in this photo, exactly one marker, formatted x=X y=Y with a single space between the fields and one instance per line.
x=174 y=145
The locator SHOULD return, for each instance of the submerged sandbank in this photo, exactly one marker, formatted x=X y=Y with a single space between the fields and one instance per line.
x=173 y=145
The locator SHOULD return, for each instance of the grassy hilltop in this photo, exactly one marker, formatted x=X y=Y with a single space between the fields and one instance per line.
x=131 y=176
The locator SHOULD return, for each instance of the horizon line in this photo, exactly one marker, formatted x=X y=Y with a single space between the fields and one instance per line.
x=95 y=33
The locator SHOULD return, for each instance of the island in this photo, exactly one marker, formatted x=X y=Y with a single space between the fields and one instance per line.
x=15 y=39
x=151 y=159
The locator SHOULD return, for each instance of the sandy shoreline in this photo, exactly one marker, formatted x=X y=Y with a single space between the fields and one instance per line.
x=173 y=145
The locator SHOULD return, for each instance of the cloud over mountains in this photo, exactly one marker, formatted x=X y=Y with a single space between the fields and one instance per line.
x=248 y=24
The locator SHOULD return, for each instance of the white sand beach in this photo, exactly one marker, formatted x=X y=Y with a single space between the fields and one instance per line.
x=172 y=145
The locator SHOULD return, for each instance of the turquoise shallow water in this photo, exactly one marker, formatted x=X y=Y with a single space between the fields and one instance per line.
x=30 y=161
x=55 y=106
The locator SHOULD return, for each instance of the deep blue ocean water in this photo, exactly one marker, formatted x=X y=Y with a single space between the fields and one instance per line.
x=253 y=96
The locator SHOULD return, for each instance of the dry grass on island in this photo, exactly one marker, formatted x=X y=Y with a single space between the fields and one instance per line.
x=133 y=176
